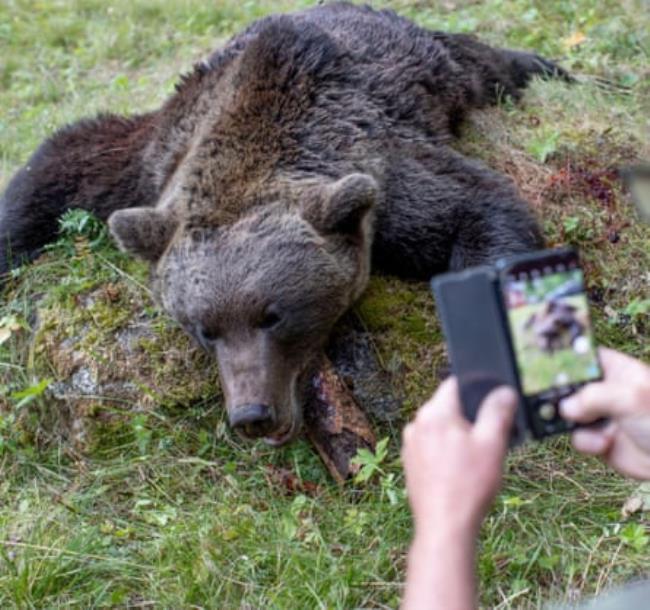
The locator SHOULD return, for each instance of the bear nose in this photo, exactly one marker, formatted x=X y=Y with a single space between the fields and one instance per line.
x=253 y=420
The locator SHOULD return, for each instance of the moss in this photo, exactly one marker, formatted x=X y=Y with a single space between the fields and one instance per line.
x=110 y=354
x=402 y=318
x=406 y=309
x=382 y=303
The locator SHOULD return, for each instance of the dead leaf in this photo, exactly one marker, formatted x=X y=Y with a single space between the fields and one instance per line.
x=112 y=292
x=8 y=326
x=576 y=39
x=632 y=505
x=639 y=501
x=290 y=482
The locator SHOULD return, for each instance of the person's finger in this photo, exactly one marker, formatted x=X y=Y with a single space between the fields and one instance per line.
x=494 y=419
x=599 y=399
x=628 y=459
x=444 y=403
x=615 y=364
x=407 y=433
x=592 y=442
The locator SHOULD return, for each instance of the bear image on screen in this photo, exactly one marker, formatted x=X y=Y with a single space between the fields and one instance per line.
x=551 y=331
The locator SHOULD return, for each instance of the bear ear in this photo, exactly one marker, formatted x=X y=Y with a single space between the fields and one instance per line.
x=143 y=232
x=344 y=205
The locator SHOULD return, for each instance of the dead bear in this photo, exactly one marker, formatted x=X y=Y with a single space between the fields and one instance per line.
x=558 y=325
x=310 y=148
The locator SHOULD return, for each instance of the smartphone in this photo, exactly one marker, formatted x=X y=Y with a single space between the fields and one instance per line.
x=524 y=323
x=551 y=336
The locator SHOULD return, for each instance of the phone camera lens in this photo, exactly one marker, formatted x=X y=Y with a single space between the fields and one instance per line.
x=547 y=411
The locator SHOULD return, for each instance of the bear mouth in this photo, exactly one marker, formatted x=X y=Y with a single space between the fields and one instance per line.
x=289 y=432
x=283 y=436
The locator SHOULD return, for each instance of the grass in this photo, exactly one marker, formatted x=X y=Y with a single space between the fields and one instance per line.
x=151 y=501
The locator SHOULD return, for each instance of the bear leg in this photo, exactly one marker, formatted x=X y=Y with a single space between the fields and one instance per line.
x=443 y=211
x=94 y=164
x=496 y=72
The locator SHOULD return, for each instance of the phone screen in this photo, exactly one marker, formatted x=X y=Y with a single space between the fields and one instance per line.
x=551 y=331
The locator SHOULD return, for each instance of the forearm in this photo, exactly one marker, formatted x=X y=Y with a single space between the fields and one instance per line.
x=440 y=572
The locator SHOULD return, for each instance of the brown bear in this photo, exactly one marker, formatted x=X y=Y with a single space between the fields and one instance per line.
x=556 y=326
x=310 y=148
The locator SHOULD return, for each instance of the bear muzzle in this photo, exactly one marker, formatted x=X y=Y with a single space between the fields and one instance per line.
x=253 y=420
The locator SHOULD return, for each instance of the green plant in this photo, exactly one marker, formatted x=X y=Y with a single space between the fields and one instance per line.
x=637 y=308
x=544 y=144
x=78 y=223
x=27 y=395
x=370 y=463
x=634 y=535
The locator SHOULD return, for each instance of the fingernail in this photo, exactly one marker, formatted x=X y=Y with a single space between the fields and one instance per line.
x=505 y=395
x=569 y=407
x=588 y=442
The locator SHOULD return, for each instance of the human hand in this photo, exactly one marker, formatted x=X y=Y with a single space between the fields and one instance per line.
x=623 y=397
x=453 y=468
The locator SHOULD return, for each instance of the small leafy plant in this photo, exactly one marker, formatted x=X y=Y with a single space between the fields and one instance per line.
x=543 y=145
x=79 y=224
x=370 y=462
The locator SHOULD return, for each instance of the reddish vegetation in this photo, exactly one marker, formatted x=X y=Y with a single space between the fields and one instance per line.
x=586 y=179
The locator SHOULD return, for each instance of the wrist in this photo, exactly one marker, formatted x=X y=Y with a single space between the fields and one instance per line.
x=439 y=537
x=461 y=524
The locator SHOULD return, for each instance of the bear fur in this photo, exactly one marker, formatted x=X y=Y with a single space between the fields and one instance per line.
x=311 y=148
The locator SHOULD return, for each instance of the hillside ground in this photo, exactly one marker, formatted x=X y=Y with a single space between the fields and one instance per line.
x=164 y=507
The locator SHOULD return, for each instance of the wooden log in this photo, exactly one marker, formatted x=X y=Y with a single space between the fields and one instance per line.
x=335 y=424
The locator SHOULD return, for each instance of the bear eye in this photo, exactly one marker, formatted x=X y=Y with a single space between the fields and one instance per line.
x=269 y=320
x=206 y=335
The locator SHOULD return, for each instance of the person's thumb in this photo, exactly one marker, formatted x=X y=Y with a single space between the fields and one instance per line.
x=495 y=416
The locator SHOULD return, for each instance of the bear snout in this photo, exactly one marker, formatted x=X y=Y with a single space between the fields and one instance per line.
x=253 y=420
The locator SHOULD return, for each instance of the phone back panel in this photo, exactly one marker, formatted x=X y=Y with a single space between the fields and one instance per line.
x=478 y=344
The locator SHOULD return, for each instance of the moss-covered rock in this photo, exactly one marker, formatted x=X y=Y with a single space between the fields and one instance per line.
x=105 y=348
x=111 y=353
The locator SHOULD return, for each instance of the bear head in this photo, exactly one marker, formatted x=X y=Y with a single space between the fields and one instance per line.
x=261 y=293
